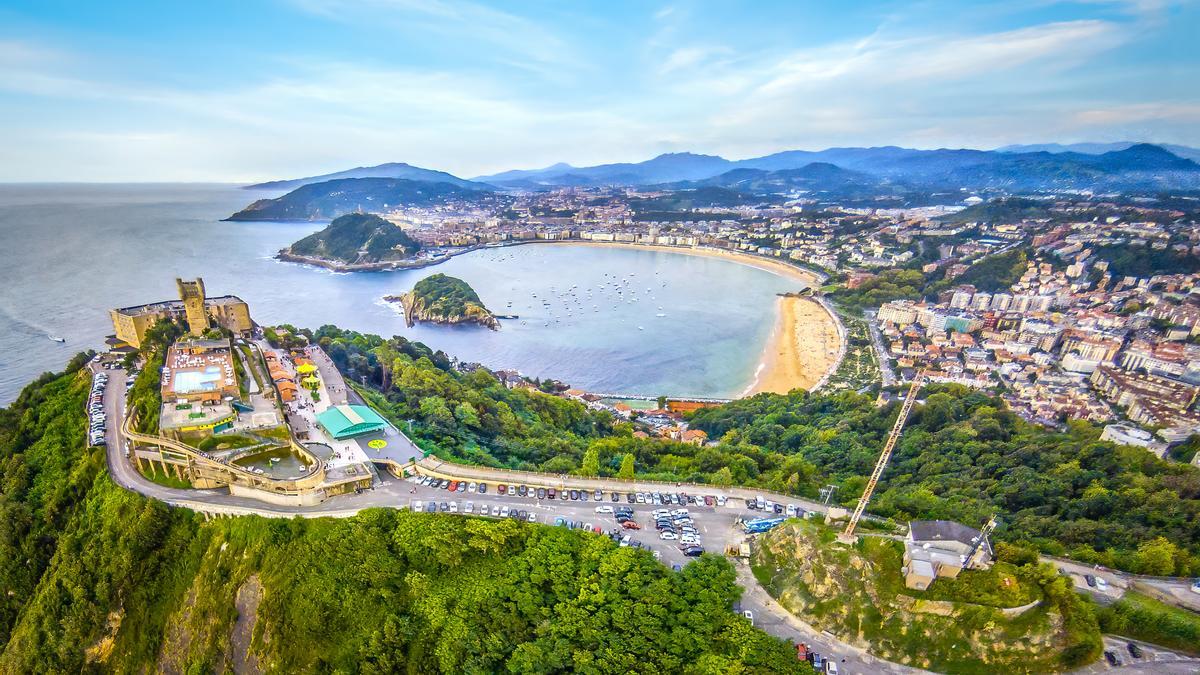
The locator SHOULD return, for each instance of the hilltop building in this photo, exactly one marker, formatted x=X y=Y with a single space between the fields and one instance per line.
x=348 y=421
x=193 y=308
x=942 y=548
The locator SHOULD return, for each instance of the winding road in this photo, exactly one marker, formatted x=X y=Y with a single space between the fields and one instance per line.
x=717 y=526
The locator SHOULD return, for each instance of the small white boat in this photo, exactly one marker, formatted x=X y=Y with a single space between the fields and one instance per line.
x=57 y=338
x=640 y=328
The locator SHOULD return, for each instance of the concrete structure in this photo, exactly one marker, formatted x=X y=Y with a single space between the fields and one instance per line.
x=228 y=311
x=1124 y=434
x=934 y=549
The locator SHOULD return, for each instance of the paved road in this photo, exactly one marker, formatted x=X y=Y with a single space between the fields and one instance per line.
x=716 y=525
x=881 y=354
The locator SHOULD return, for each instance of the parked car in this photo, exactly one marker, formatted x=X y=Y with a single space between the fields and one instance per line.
x=1101 y=584
x=541 y=493
x=1111 y=657
x=501 y=489
x=552 y=493
x=632 y=499
x=668 y=536
x=749 y=616
x=604 y=509
x=443 y=507
x=831 y=667
x=431 y=507
x=1091 y=580
x=1134 y=650
x=531 y=517
x=630 y=525
x=453 y=507
x=483 y=488
x=598 y=495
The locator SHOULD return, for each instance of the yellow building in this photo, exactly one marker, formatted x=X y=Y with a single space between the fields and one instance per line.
x=228 y=311
x=192 y=294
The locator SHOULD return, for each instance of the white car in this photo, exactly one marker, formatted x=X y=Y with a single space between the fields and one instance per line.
x=679 y=513
x=791 y=511
x=504 y=511
x=1196 y=586
x=532 y=518
x=469 y=507
x=472 y=487
x=689 y=539
x=417 y=505
x=453 y=507
x=1101 y=585
x=749 y=616
x=604 y=509
x=668 y=536
x=641 y=498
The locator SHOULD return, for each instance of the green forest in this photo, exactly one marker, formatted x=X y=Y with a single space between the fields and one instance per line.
x=444 y=298
x=358 y=237
x=98 y=578
x=963 y=456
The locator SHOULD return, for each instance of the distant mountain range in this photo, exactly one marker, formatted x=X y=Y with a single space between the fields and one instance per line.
x=1100 y=148
x=389 y=170
x=1134 y=167
x=886 y=174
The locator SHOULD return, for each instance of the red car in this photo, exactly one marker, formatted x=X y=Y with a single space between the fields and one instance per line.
x=453 y=485
x=630 y=525
x=501 y=488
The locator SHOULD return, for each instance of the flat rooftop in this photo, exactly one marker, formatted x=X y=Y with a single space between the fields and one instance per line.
x=177 y=305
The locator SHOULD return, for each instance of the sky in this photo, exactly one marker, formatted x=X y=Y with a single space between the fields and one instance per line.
x=221 y=91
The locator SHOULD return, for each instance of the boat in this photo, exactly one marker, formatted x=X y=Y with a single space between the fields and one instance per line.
x=640 y=328
x=660 y=314
x=57 y=338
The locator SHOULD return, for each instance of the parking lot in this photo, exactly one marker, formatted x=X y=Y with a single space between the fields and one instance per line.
x=713 y=521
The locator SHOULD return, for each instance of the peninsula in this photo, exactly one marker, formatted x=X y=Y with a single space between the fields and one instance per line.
x=444 y=299
x=355 y=241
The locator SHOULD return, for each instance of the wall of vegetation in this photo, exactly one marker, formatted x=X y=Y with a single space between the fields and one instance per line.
x=98 y=578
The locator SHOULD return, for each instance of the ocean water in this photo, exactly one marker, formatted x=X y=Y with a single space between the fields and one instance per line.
x=68 y=253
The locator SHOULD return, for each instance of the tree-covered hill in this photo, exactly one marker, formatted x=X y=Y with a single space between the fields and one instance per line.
x=964 y=456
x=357 y=238
x=444 y=299
x=98 y=579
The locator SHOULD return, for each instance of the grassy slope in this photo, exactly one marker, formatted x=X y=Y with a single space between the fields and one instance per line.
x=859 y=595
x=1144 y=618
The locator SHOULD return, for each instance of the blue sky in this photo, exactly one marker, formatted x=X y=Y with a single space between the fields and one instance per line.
x=233 y=91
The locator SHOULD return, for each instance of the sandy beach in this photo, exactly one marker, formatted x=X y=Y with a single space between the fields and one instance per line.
x=804 y=346
x=807 y=341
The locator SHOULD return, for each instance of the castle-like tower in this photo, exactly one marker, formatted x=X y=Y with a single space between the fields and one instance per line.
x=192 y=295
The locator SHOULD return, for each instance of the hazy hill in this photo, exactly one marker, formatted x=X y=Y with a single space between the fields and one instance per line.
x=661 y=169
x=1099 y=148
x=389 y=170
x=317 y=201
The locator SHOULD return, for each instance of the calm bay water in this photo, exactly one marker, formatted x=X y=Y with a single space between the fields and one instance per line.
x=70 y=252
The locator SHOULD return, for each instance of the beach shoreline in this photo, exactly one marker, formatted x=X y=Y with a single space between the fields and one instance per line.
x=808 y=340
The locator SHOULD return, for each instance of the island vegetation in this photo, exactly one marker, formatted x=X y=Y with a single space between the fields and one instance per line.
x=355 y=239
x=99 y=579
x=439 y=298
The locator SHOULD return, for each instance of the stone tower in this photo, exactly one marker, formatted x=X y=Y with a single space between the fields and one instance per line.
x=192 y=294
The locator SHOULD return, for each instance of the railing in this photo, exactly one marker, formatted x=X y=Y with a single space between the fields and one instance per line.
x=288 y=486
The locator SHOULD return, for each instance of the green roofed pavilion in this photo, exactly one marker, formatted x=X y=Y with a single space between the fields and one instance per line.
x=348 y=421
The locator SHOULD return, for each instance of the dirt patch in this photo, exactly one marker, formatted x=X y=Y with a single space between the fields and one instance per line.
x=240 y=656
x=99 y=652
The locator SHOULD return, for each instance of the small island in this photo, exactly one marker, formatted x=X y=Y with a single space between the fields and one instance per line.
x=355 y=241
x=446 y=300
